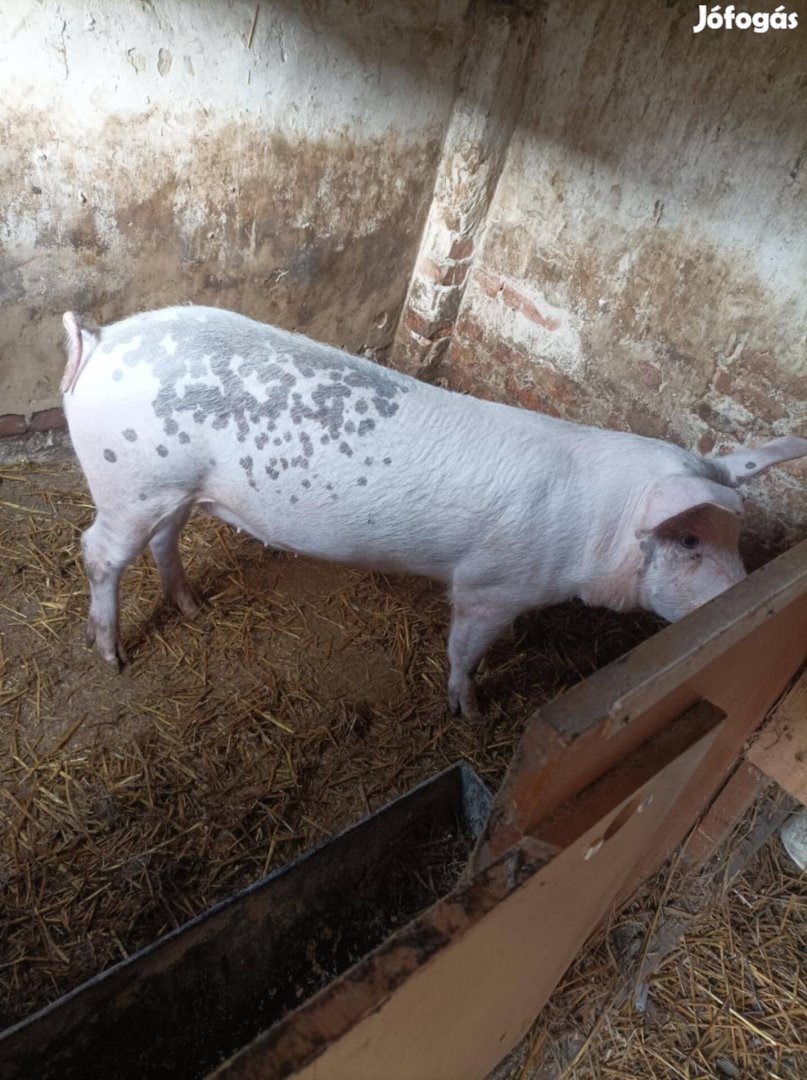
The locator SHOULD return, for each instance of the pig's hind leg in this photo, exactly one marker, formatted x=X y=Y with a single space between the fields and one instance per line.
x=164 y=546
x=478 y=617
x=108 y=549
x=113 y=542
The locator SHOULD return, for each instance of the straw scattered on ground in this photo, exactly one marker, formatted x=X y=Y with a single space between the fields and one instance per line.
x=729 y=1002
x=303 y=696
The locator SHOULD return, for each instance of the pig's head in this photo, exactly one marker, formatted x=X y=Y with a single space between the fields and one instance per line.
x=688 y=527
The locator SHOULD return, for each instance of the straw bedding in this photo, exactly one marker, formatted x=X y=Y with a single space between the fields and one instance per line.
x=302 y=697
x=728 y=1001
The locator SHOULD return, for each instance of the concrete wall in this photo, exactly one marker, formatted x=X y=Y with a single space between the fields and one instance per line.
x=643 y=263
x=574 y=205
x=167 y=150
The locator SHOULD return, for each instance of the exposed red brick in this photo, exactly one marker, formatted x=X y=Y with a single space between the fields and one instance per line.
x=429 y=269
x=649 y=375
x=447 y=274
x=47 y=420
x=723 y=382
x=643 y=422
x=488 y=283
x=762 y=365
x=469 y=328
x=12 y=424
x=529 y=399
x=461 y=249
x=718 y=421
x=516 y=300
x=706 y=444
x=426 y=328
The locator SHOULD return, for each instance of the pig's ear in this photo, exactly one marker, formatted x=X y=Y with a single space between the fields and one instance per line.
x=672 y=496
x=743 y=464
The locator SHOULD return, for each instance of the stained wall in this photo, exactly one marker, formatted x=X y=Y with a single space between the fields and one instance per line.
x=277 y=158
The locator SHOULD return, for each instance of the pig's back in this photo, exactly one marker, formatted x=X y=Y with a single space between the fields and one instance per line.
x=307 y=446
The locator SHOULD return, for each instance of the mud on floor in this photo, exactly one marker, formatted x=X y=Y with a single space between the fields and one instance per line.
x=302 y=696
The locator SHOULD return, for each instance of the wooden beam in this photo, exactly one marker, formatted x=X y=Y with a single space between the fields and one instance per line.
x=745 y=785
x=780 y=748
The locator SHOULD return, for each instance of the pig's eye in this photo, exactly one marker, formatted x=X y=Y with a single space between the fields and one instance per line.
x=690 y=541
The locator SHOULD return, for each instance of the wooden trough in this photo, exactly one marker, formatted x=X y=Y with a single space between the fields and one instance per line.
x=607 y=781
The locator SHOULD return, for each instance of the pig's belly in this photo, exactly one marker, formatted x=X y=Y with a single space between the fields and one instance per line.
x=387 y=530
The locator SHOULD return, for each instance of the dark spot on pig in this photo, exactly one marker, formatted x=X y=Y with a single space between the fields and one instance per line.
x=306 y=483
x=345 y=449
x=387 y=460
x=385 y=408
x=277 y=441
x=272 y=472
x=350 y=427
x=184 y=437
x=648 y=546
x=368 y=461
x=365 y=426
x=246 y=464
x=252 y=484
x=750 y=464
x=225 y=369
x=284 y=464
x=325 y=439
x=117 y=375
x=142 y=496
x=293 y=499
x=308 y=446
x=329 y=487
x=129 y=434
x=162 y=450
x=110 y=455
x=334 y=497
x=287 y=436
x=362 y=481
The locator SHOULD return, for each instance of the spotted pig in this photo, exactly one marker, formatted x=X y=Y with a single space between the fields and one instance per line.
x=316 y=451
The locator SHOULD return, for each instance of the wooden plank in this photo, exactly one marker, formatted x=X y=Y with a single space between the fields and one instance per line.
x=615 y=710
x=451 y=994
x=745 y=682
x=744 y=787
x=780 y=748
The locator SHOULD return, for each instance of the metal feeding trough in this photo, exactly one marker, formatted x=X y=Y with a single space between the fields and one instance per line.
x=182 y=1006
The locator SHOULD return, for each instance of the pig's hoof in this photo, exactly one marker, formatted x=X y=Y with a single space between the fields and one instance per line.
x=109 y=649
x=187 y=604
x=116 y=657
x=462 y=702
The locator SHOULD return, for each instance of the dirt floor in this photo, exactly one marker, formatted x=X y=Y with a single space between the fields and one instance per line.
x=303 y=696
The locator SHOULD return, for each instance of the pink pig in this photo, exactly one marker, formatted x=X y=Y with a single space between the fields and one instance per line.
x=319 y=452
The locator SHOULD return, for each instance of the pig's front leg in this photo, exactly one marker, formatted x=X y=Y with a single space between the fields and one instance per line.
x=478 y=616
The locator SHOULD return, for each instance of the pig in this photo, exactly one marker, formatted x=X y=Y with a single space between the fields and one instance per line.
x=316 y=451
